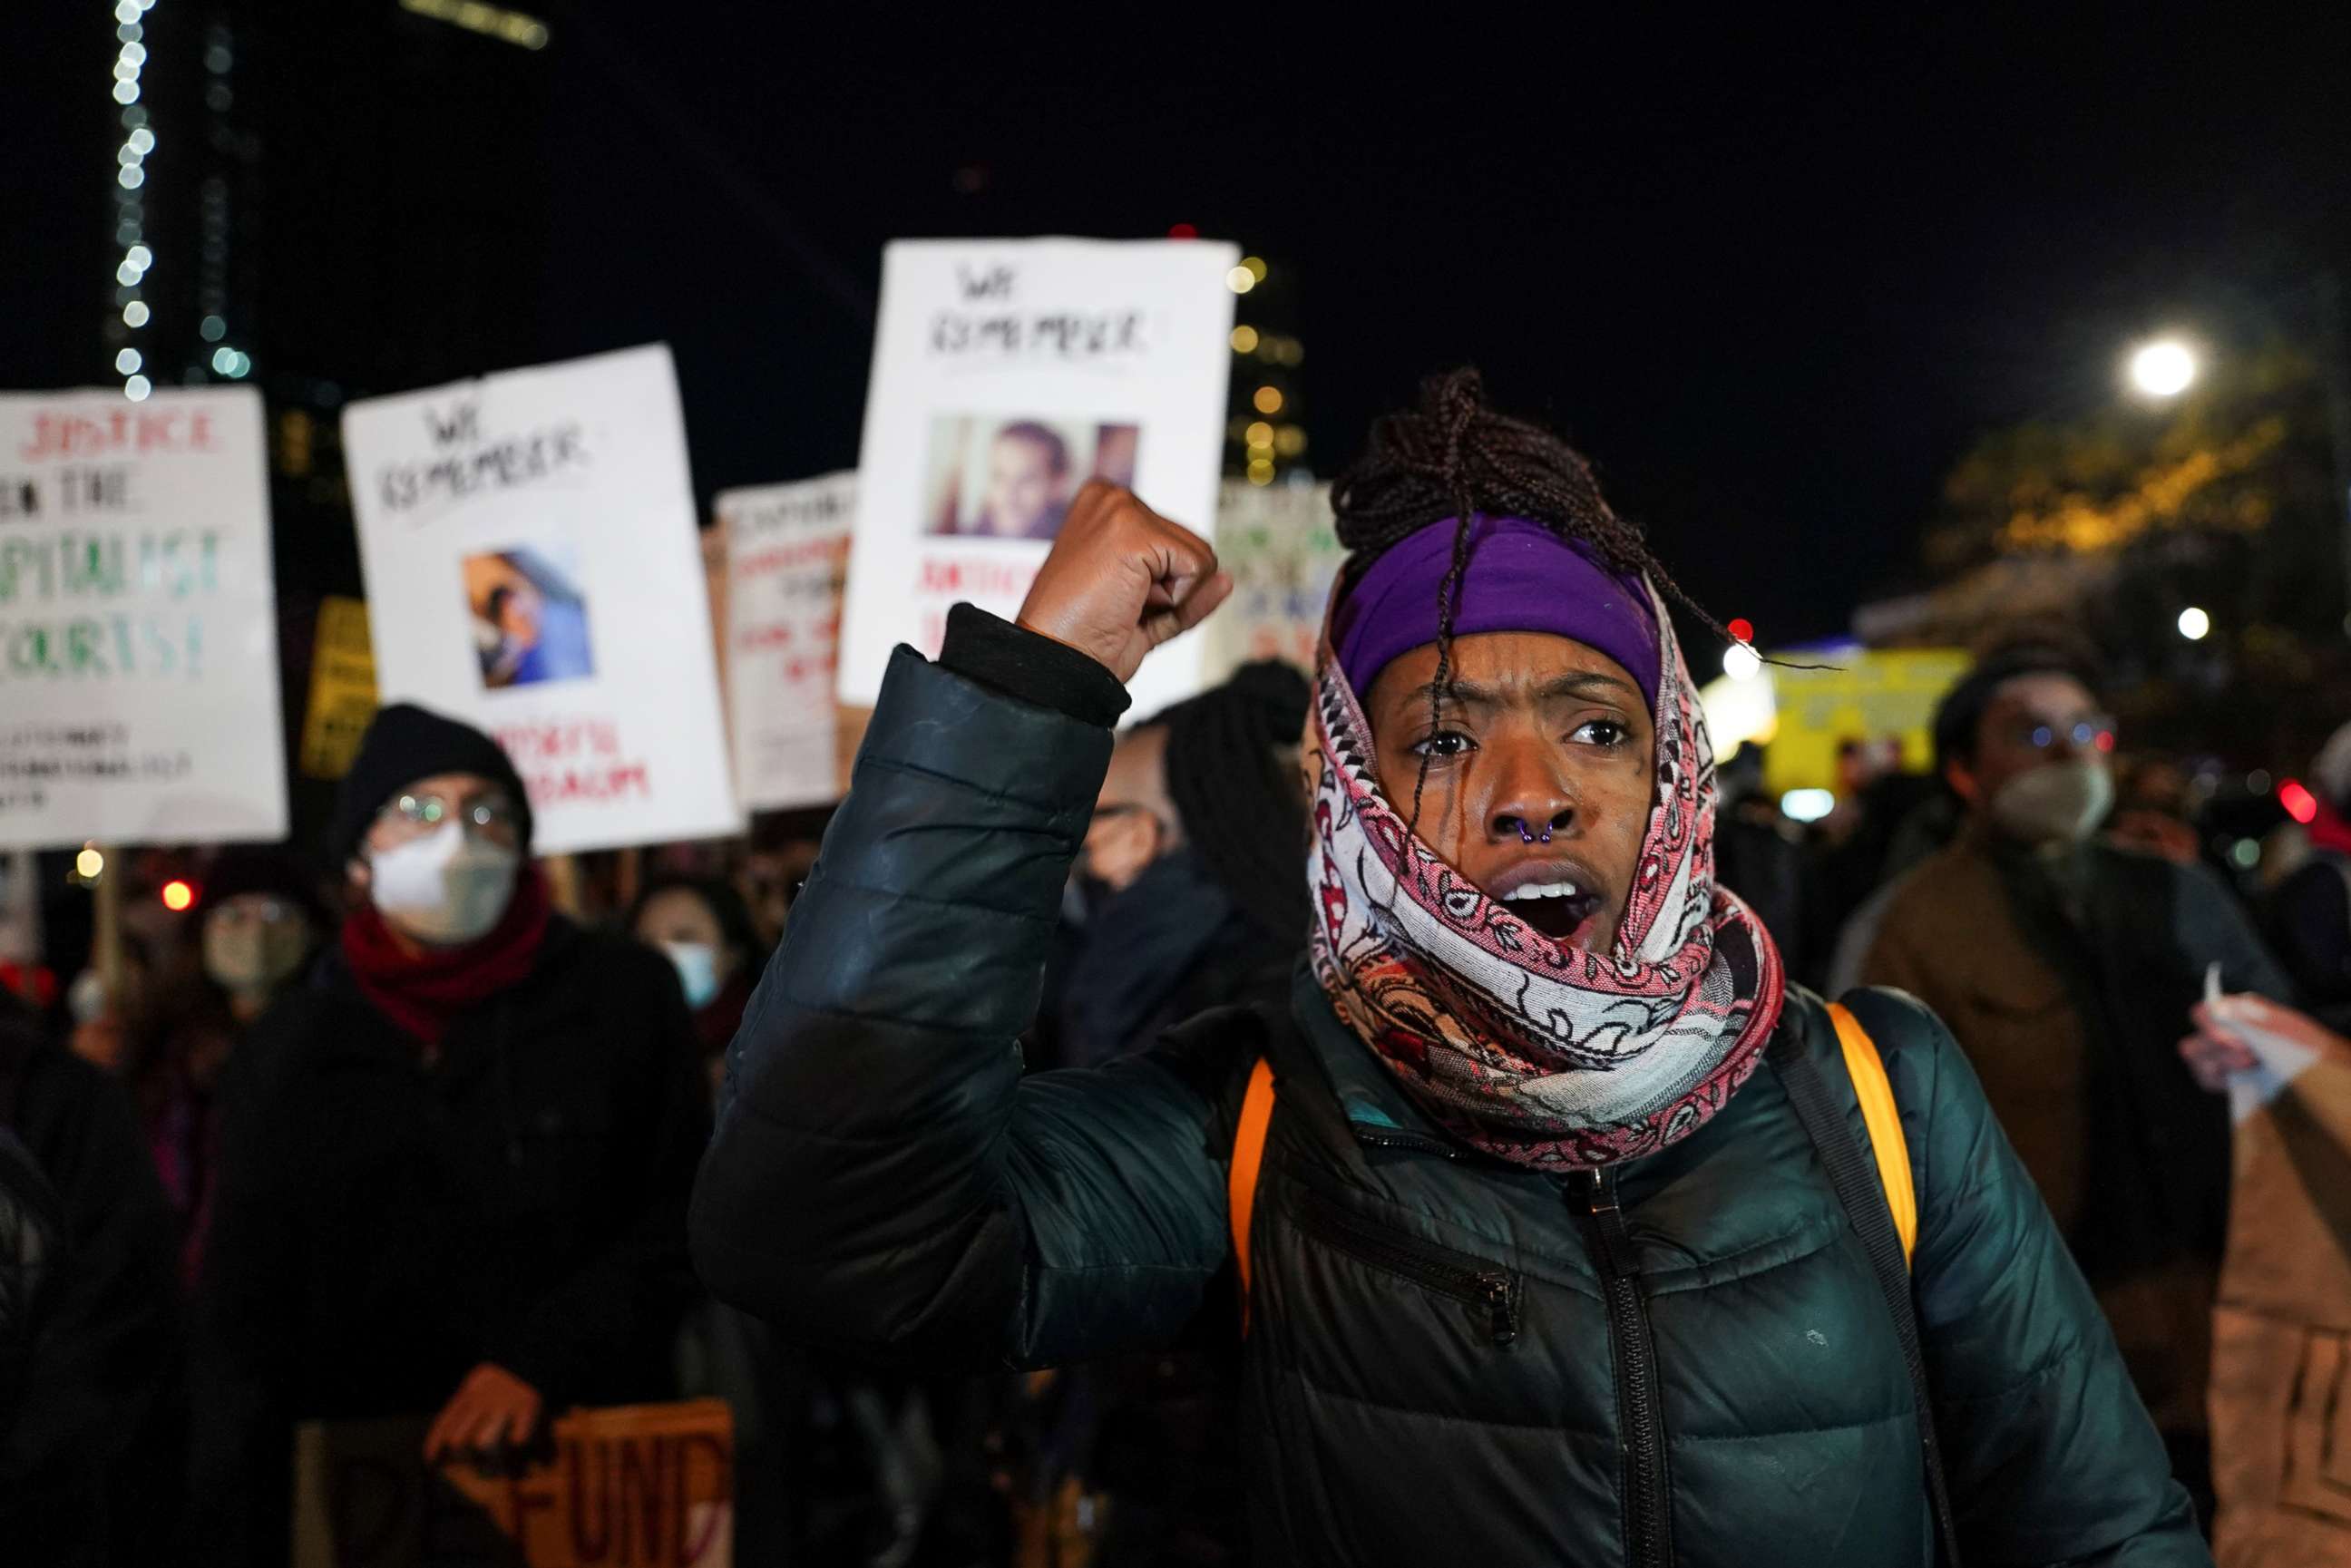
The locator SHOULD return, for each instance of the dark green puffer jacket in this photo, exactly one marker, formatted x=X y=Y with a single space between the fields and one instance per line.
x=1433 y=1371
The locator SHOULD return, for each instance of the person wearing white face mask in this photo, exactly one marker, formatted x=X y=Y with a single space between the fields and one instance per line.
x=702 y=925
x=452 y=1166
x=2067 y=965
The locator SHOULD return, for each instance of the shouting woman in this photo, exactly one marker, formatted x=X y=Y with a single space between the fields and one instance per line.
x=1565 y=1233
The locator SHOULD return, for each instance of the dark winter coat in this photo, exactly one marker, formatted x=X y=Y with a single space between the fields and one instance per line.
x=1436 y=1374
x=2069 y=982
x=90 y=1426
x=2309 y=923
x=381 y=1227
x=1172 y=944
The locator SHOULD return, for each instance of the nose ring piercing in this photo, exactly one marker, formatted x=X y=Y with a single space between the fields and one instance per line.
x=1527 y=837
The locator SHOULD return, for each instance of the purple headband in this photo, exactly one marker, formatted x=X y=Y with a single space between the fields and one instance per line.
x=1521 y=576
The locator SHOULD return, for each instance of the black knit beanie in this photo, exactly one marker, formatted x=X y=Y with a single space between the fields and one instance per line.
x=402 y=744
x=267 y=869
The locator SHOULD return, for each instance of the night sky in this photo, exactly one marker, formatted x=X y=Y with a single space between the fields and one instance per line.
x=1774 y=280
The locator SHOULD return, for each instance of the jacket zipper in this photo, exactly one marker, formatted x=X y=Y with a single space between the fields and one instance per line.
x=1494 y=1291
x=1412 y=1140
x=1648 y=1518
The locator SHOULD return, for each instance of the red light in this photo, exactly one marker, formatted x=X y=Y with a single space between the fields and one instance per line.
x=1181 y=231
x=2299 y=802
x=1742 y=630
x=178 y=896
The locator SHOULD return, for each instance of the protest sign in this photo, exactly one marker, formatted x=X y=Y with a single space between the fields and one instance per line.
x=342 y=688
x=533 y=567
x=138 y=621
x=787 y=548
x=1884 y=697
x=1006 y=374
x=651 y=1485
x=1278 y=543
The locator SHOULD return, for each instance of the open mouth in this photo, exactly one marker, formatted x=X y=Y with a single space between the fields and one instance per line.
x=1560 y=910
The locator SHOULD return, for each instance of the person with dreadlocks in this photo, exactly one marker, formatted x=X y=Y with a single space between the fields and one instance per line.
x=1563 y=1229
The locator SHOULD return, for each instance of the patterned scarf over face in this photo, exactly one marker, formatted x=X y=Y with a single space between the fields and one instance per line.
x=1541 y=1054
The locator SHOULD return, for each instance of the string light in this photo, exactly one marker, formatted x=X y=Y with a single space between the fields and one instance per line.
x=212 y=258
x=129 y=175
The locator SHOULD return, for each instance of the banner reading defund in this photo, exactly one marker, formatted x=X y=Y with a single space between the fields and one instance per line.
x=533 y=567
x=1007 y=374
x=138 y=622
x=786 y=547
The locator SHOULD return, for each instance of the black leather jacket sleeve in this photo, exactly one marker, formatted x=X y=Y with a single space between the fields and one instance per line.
x=883 y=1176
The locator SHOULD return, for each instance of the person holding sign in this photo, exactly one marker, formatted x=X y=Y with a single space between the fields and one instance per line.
x=2284 y=1301
x=452 y=1168
x=1565 y=1230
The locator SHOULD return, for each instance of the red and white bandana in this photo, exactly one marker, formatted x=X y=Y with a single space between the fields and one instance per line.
x=1542 y=1054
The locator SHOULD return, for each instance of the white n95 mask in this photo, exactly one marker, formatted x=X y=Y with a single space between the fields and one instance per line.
x=447 y=888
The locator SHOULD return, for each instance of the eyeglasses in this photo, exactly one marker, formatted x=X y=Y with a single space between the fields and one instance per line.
x=243 y=909
x=493 y=816
x=2093 y=733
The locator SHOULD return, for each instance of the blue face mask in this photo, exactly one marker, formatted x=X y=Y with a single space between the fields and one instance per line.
x=698 y=970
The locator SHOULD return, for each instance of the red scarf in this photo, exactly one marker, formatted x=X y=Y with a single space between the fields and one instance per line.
x=424 y=991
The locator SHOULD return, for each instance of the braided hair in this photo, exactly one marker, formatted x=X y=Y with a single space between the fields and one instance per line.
x=1452 y=457
x=1238 y=799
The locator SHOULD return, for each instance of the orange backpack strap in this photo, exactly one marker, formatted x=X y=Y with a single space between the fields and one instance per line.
x=1883 y=1119
x=1248 y=1153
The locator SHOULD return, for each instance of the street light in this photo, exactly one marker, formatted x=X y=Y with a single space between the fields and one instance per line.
x=2194 y=624
x=2164 y=368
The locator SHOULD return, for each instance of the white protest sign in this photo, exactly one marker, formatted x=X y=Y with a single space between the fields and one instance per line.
x=1278 y=543
x=1006 y=374
x=533 y=567
x=138 y=621
x=786 y=547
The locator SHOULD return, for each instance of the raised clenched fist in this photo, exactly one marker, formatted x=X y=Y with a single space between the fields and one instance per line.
x=1121 y=579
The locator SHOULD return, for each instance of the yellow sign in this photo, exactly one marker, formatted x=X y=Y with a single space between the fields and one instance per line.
x=1872 y=696
x=342 y=688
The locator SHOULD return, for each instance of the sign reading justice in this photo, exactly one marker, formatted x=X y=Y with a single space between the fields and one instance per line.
x=138 y=620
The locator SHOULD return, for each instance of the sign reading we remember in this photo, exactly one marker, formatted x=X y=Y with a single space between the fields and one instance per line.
x=138 y=621
x=787 y=548
x=647 y=1485
x=1006 y=374
x=533 y=567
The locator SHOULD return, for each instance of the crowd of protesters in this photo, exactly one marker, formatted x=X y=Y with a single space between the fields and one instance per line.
x=1512 y=1006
